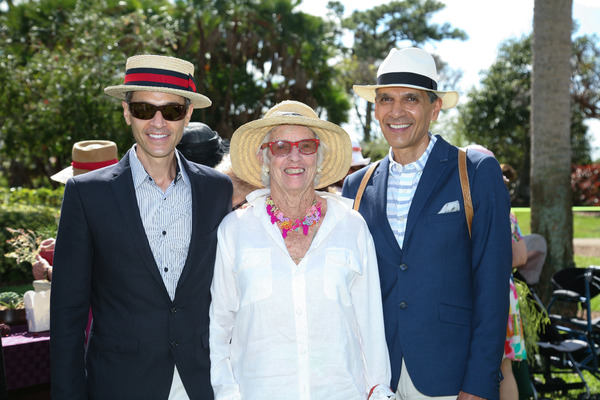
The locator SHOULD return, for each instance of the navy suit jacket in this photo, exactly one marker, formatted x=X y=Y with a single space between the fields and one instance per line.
x=103 y=260
x=445 y=296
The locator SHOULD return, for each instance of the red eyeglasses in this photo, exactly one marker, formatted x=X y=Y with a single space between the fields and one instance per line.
x=282 y=148
x=170 y=112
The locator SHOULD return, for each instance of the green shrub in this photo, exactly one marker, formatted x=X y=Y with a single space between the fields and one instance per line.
x=33 y=197
x=39 y=218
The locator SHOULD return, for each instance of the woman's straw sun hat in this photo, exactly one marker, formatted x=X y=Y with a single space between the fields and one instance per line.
x=247 y=139
x=151 y=73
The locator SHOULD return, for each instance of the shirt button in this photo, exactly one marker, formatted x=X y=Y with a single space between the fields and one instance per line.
x=403 y=267
x=164 y=232
x=166 y=269
x=403 y=305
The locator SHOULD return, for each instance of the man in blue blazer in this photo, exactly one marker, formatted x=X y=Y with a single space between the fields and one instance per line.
x=136 y=247
x=445 y=292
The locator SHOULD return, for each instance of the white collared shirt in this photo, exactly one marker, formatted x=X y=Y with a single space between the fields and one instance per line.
x=166 y=217
x=402 y=185
x=284 y=331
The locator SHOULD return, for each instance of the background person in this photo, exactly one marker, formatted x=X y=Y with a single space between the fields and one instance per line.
x=241 y=188
x=514 y=345
x=202 y=145
x=296 y=309
x=87 y=155
x=444 y=287
x=136 y=242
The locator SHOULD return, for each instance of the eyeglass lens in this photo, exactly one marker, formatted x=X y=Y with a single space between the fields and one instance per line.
x=282 y=148
x=170 y=112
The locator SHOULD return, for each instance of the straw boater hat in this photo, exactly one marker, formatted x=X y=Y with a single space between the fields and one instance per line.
x=87 y=156
x=412 y=68
x=150 y=73
x=246 y=141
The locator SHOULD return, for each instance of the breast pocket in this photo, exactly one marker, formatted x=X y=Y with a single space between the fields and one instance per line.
x=341 y=269
x=254 y=275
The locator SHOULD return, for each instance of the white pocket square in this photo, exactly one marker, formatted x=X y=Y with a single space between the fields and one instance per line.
x=452 y=206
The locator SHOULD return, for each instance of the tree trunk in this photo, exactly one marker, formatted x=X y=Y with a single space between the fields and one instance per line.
x=551 y=213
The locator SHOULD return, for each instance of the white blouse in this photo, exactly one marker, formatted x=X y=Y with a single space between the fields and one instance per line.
x=284 y=331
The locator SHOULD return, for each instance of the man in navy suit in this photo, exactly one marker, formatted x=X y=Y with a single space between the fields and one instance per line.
x=444 y=292
x=136 y=246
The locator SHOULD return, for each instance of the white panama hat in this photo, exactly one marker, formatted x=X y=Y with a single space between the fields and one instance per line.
x=411 y=67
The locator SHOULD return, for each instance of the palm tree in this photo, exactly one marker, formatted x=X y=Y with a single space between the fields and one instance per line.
x=551 y=200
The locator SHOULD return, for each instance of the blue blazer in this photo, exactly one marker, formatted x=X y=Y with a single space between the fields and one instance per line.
x=103 y=260
x=445 y=295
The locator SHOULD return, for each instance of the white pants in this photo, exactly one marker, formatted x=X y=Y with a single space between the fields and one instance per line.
x=177 y=390
x=408 y=391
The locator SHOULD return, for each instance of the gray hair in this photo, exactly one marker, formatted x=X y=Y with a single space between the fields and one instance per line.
x=266 y=178
x=432 y=97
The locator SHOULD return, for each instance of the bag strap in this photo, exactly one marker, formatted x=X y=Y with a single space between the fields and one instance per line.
x=466 y=189
x=363 y=184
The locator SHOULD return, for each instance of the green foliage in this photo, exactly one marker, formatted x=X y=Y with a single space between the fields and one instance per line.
x=379 y=29
x=497 y=114
x=61 y=54
x=42 y=220
x=11 y=300
x=251 y=54
x=534 y=319
x=24 y=245
x=39 y=197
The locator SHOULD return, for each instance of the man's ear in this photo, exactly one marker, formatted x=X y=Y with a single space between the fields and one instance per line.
x=126 y=112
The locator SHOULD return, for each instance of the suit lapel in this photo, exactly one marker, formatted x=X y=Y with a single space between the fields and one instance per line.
x=124 y=193
x=197 y=204
x=434 y=169
x=379 y=198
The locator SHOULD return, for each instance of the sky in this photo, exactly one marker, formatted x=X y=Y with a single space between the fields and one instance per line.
x=487 y=24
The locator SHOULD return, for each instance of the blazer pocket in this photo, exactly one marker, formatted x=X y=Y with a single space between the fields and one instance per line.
x=445 y=217
x=115 y=344
x=455 y=315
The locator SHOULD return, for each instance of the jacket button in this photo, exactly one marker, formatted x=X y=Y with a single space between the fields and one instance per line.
x=403 y=305
x=174 y=344
x=173 y=310
x=403 y=267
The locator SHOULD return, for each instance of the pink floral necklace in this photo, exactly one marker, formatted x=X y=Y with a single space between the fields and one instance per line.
x=312 y=217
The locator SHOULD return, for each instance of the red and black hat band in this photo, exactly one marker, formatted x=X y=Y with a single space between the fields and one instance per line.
x=155 y=77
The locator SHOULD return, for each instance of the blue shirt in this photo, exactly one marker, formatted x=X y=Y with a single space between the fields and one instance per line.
x=166 y=217
x=402 y=184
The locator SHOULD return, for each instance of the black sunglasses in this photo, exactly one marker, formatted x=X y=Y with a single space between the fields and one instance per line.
x=170 y=112
x=282 y=148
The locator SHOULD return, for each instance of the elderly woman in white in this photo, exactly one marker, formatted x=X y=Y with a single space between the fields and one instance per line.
x=296 y=304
